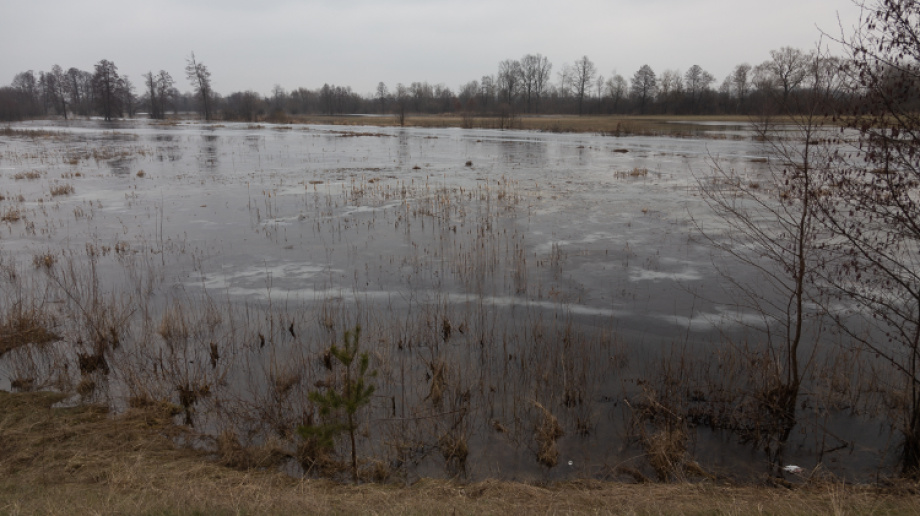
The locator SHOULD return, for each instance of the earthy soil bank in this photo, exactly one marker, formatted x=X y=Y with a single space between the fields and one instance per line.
x=83 y=460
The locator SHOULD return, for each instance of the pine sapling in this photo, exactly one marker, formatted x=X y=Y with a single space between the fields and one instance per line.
x=339 y=407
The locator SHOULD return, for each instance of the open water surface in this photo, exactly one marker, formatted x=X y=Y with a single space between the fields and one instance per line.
x=470 y=243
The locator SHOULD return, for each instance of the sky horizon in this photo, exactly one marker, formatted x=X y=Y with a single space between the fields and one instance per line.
x=359 y=43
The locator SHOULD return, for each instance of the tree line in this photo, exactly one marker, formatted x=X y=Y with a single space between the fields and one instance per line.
x=105 y=93
x=520 y=86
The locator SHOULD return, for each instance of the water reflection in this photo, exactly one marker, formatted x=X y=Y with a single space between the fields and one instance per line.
x=121 y=166
x=207 y=156
x=403 y=155
x=536 y=237
x=168 y=148
x=523 y=152
x=255 y=142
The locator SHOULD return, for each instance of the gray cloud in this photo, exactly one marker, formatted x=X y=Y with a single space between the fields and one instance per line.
x=254 y=45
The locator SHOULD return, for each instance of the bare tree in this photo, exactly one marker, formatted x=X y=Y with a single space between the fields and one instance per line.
x=302 y=99
x=383 y=96
x=789 y=66
x=107 y=89
x=510 y=80
x=486 y=91
x=56 y=88
x=763 y=80
x=80 y=88
x=469 y=90
x=150 y=82
x=421 y=93
x=444 y=98
x=27 y=85
x=876 y=212
x=740 y=81
x=725 y=93
x=616 y=89
x=159 y=93
x=200 y=78
x=166 y=91
x=566 y=78
x=535 y=71
x=279 y=99
x=327 y=99
x=127 y=97
x=670 y=87
x=644 y=86
x=244 y=105
x=774 y=225
x=826 y=73
x=585 y=72
x=402 y=102
x=697 y=82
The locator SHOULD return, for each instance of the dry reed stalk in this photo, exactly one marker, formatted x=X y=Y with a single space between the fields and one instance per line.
x=548 y=431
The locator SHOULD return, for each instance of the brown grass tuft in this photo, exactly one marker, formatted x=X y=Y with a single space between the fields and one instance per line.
x=547 y=432
x=317 y=459
x=454 y=450
x=44 y=260
x=28 y=133
x=61 y=189
x=23 y=325
x=11 y=215
x=173 y=325
x=233 y=454
x=665 y=450
x=438 y=382
x=30 y=175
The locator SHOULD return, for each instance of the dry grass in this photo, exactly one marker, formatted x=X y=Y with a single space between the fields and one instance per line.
x=26 y=325
x=44 y=260
x=61 y=189
x=352 y=134
x=27 y=133
x=31 y=175
x=546 y=434
x=614 y=125
x=82 y=460
x=11 y=214
x=636 y=172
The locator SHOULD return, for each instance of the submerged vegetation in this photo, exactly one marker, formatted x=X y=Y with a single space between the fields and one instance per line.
x=403 y=304
x=477 y=340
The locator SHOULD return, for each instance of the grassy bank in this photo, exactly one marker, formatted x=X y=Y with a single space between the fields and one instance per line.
x=612 y=125
x=82 y=460
x=623 y=125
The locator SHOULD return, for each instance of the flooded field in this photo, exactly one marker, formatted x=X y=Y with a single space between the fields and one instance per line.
x=517 y=292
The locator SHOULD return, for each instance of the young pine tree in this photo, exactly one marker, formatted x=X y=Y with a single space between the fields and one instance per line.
x=338 y=407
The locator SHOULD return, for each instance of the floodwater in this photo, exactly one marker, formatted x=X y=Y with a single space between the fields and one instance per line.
x=323 y=209
x=468 y=257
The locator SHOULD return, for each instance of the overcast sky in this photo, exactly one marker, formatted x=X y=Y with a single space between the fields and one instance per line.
x=255 y=44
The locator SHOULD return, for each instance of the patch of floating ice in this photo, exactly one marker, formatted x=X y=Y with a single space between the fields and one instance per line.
x=719 y=319
x=591 y=238
x=242 y=284
x=647 y=275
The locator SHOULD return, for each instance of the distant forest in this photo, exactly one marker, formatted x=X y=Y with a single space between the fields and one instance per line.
x=530 y=85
